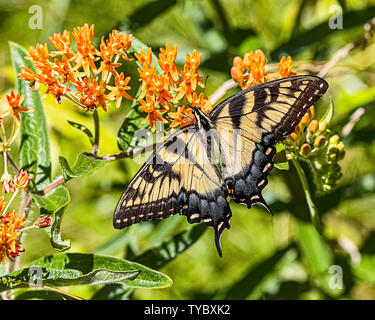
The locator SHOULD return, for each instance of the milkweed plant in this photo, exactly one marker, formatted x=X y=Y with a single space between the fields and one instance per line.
x=72 y=67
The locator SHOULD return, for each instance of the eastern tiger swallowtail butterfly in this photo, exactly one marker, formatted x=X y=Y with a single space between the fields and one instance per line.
x=225 y=154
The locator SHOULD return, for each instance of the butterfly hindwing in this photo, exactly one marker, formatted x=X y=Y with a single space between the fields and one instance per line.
x=179 y=177
x=250 y=123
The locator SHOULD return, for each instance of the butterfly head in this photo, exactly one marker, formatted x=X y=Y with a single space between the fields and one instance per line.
x=202 y=120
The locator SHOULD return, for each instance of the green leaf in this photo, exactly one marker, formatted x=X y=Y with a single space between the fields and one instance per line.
x=366 y=269
x=159 y=256
x=82 y=128
x=280 y=160
x=251 y=284
x=85 y=269
x=85 y=164
x=328 y=115
x=317 y=256
x=146 y=13
x=322 y=31
x=133 y=122
x=34 y=145
x=54 y=204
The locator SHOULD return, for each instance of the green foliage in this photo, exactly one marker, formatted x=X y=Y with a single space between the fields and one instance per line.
x=34 y=144
x=53 y=204
x=264 y=258
x=78 y=268
x=84 y=165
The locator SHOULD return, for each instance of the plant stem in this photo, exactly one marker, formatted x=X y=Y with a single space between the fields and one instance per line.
x=95 y=146
x=313 y=211
x=10 y=201
x=53 y=185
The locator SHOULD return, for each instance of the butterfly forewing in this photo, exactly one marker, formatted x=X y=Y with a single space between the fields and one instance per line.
x=261 y=116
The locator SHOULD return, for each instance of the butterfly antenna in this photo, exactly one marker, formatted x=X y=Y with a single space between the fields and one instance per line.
x=192 y=119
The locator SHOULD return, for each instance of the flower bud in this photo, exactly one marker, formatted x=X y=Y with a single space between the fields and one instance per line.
x=314 y=126
x=323 y=125
x=236 y=75
x=305 y=149
x=248 y=60
x=340 y=146
x=293 y=136
x=238 y=63
x=43 y=222
x=319 y=141
x=7 y=182
x=305 y=119
x=334 y=140
x=311 y=111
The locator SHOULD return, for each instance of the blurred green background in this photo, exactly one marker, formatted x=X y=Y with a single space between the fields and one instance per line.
x=264 y=256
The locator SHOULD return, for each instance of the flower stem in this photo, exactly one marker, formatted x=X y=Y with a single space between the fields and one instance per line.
x=95 y=146
x=10 y=201
x=313 y=211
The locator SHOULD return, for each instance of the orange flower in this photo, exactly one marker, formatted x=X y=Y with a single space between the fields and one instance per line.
x=119 y=91
x=258 y=66
x=10 y=225
x=107 y=53
x=144 y=58
x=61 y=43
x=21 y=182
x=183 y=117
x=29 y=75
x=39 y=53
x=87 y=53
x=153 y=114
x=78 y=67
x=121 y=42
x=285 y=66
x=167 y=63
x=201 y=102
x=254 y=63
x=3 y=204
x=189 y=84
x=14 y=103
x=194 y=60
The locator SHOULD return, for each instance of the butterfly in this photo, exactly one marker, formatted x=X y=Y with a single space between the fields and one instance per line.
x=225 y=154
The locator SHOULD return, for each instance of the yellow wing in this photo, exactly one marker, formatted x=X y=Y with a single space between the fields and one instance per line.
x=251 y=122
x=179 y=177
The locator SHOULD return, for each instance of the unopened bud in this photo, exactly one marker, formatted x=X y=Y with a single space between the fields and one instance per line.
x=305 y=149
x=323 y=125
x=340 y=146
x=311 y=111
x=314 y=126
x=305 y=119
x=248 y=60
x=293 y=136
x=319 y=141
x=238 y=63
x=334 y=140
x=43 y=222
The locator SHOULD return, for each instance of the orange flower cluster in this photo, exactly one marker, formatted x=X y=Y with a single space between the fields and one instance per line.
x=172 y=86
x=10 y=226
x=251 y=69
x=64 y=68
x=10 y=223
